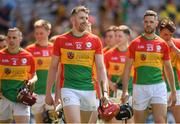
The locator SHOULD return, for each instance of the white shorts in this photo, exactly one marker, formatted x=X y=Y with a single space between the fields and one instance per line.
x=85 y=99
x=39 y=106
x=144 y=95
x=177 y=96
x=8 y=109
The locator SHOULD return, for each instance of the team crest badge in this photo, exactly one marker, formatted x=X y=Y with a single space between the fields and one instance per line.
x=143 y=57
x=70 y=55
x=7 y=71
x=39 y=62
x=116 y=67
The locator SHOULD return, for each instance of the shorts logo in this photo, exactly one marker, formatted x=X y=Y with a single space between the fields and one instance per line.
x=7 y=71
x=39 y=62
x=66 y=100
x=143 y=57
x=70 y=55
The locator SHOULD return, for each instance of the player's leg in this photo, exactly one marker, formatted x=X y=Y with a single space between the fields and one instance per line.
x=71 y=105
x=159 y=113
x=159 y=103
x=94 y=115
x=72 y=114
x=141 y=98
x=21 y=113
x=5 y=111
x=38 y=108
x=140 y=116
x=176 y=109
x=22 y=119
x=85 y=116
x=88 y=105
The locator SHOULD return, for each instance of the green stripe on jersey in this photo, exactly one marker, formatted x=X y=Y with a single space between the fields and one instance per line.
x=148 y=75
x=40 y=85
x=78 y=77
x=10 y=89
x=176 y=80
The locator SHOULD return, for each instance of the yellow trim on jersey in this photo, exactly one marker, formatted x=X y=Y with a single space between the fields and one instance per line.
x=42 y=63
x=178 y=64
x=148 y=59
x=77 y=57
x=14 y=72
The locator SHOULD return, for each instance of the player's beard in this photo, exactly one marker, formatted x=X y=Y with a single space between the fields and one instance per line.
x=149 y=30
x=82 y=27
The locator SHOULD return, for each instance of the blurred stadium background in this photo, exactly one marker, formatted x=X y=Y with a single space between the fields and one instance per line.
x=23 y=13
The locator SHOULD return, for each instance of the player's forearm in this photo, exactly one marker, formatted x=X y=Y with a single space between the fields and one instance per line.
x=126 y=75
x=34 y=78
x=125 y=80
x=170 y=77
x=176 y=50
x=50 y=80
x=103 y=77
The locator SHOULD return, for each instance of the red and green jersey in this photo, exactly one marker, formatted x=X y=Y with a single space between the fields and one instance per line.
x=14 y=69
x=77 y=55
x=115 y=63
x=175 y=61
x=42 y=56
x=148 y=56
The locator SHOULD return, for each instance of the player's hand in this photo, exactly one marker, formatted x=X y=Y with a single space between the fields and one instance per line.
x=172 y=99
x=170 y=43
x=49 y=100
x=57 y=102
x=113 y=87
x=0 y=95
x=124 y=97
x=105 y=98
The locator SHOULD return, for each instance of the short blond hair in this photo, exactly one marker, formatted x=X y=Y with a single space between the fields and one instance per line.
x=14 y=30
x=79 y=9
x=2 y=37
x=151 y=13
x=42 y=23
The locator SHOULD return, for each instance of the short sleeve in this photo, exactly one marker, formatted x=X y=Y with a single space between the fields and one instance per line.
x=99 y=47
x=56 y=47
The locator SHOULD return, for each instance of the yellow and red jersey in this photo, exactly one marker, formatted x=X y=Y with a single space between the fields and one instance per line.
x=115 y=62
x=175 y=61
x=14 y=70
x=42 y=56
x=148 y=58
x=77 y=55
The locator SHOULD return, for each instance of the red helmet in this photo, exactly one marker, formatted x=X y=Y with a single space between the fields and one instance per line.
x=108 y=111
x=26 y=96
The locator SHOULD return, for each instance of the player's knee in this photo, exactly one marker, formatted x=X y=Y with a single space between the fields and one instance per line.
x=160 y=119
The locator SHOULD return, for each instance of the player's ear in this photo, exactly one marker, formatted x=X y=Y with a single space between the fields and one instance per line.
x=157 y=23
x=72 y=19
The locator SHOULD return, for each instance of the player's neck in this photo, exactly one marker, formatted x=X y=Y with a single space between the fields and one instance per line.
x=122 y=47
x=151 y=36
x=76 y=33
x=14 y=51
x=42 y=44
